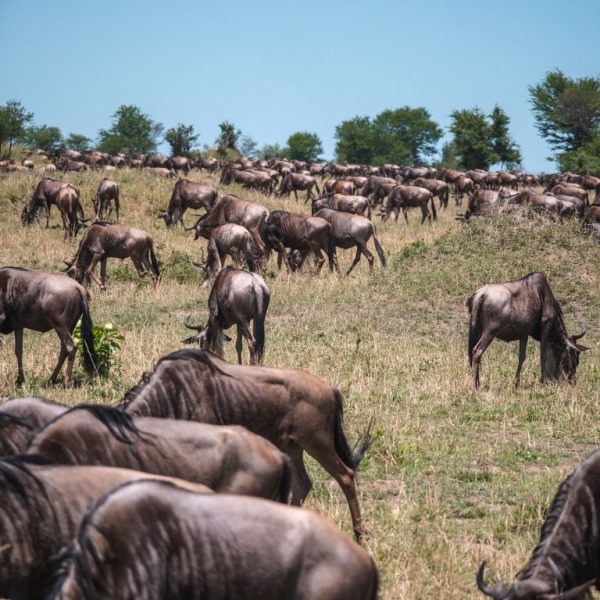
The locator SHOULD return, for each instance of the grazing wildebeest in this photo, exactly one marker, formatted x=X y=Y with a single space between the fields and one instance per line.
x=299 y=232
x=226 y=459
x=229 y=239
x=437 y=187
x=251 y=179
x=292 y=182
x=187 y=194
x=236 y=298
x=352 y=230
x=462 y=185
x=20 y=417
x=479 y=202
x=112 y=240
x=42 y=508
x=161 y=172
x=514 y=311
x=571 y=190
x=43 y=301
x=172 y=543
x=210 y=164
x=71 y=211
x=293 y=409
x=180 y=163
x=592 y=215
x=72 y=165
x=356 y=205
x=107 y=193
x=565 y=563
x=43 y=196
x=409 y=196
x=378 y=187
x=231 y=209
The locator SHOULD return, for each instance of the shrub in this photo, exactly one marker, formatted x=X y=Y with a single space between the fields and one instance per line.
x=106 y=345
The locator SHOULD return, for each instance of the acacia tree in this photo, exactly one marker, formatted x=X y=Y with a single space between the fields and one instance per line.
x=49 y=139
x=13 y=119
x=305 y=146
x=181 y=139
x=79 y=142
x=228 y=138
x=131 y=132
x=354 y=141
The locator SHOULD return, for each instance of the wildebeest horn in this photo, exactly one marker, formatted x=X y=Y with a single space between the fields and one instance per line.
x=532 y=588
x=498 y=592
x=578 y=337
x=570 y=594
x=187 y=324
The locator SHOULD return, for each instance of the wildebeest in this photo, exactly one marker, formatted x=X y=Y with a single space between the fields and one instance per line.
x=571 y=190
x=462 y=185
x=232 y=209
x=299 y=232
x=43 y=197
x=292 y=182
x=514 y=311
x=106 y=195
x=229 y=239
x=293 y=409
x=42 y=508
x=180 y=163
x=409 y=196
x=161 y=172
x=378 y=187
x=71 y=211
x=565 y=563
x=43 y=301
x=187 y=194
x=356 y=205
x=236 y=298
x=172 y=543
x=352 y=231
x=226 y=459
x=112 y=240
x=249 y=179
x=20 y=417
x=437 y=187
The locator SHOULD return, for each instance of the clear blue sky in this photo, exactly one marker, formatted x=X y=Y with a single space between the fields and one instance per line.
x=273 y=68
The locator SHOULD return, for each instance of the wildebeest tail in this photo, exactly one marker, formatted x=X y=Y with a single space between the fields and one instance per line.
x=433 y=208
x=347 y=456
x=379 y=249
x=117 y=203
x=285 y=483
x=262 y=304
x=330 y=249
x=90 y=360
x=473 y=305
x=153 y=260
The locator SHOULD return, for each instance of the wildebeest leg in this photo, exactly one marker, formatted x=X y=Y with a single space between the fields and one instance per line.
x=245 y=331
x=319 y=258
x=480 y=348
x=47 y=207
x=239 y=345
x=405 y=213
x=522 y=354
x=424 y=214
x=301 y=483
x=139 y=267
x=296 y=194
x=19 y=353
x=103 y=271
x=92 y=266
x=67 y=348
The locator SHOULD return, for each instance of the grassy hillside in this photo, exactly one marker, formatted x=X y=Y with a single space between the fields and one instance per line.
x=453 y=477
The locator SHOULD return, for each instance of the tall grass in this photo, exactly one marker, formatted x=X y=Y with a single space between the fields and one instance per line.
x=453 y=477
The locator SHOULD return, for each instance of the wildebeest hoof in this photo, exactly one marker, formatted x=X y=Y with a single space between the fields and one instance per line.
x=20 y=381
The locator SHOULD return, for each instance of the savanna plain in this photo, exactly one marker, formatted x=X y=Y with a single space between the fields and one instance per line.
x=453 y=476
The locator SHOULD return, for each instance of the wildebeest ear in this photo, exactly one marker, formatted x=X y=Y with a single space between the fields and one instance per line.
x=226 y=337
x=191 y=340
x=582 y=348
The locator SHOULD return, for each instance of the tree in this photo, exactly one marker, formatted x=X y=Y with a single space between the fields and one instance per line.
x=449 y=158
x=13 y=118
x=227 y=139
x=248 y=147
x=269 y=151
x=354 y=141
x=586 y=159
x=79 y=142
x=131 y=132
x=503 y=145
x=48 y=139
x=305 y=146
x=181 y=139
x=566 y=110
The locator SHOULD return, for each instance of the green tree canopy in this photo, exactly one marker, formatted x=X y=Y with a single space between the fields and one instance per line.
x=48 y=139
x=182 y=139
x=503 y=145
x=79 y=142
x=248 y=147
x=227 y=140
x=566 y=110
x=131 y=132
x=305 y=146
x=13 y=119
x=269 y=151
x=354 y=141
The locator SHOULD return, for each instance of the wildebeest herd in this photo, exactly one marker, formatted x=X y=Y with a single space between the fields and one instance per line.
x=128 y=501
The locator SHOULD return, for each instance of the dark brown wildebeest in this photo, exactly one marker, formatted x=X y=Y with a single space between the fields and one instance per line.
x=112 y=240
x=231 y=209
x=172 y=543
x=299 y=232
x=437 y=187
x=462 y=185
x=451 y=175
x=71 y=165
x=43 y=197
x=210 y=164
x=514 y=311
x=592 y=215
x=479 y=202
x=351 y=231
x=378 y=188
x=43 y=301
x=187 y=194
x=161 y=172
x=236 y=298
x=107 y=193
x=293 y=409
x=229 y=239
x=226 y=459
x=42 y=508
x=409 y=196
x=180 y=163
x=157 y=161
x=256 y=180
x=292 y=182
x=356 y=205
x=565 y=563
x=71 y=211
x=20 y=417
x=571 y=190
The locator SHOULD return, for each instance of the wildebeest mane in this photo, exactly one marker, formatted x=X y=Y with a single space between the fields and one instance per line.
x=14 y=471
x=8 y=419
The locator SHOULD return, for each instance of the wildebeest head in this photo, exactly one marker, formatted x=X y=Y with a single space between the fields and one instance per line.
x=528 y=589
x=28 y=216
x=169 y=217
x=202 y=337
x=569 y=356
x=76 y=272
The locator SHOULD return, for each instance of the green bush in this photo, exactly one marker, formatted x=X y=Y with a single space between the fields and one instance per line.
x=106 y=345
x=180 y=268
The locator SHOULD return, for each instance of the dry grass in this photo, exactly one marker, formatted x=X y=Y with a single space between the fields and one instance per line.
x=453 y=477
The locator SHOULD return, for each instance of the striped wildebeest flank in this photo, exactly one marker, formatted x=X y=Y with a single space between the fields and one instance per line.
x=292 y=182
x=409 y=196
x=153 y=540
x=566 y=561
x=187 y=194
x=236 y=298
x=105 y=240
x=42 y=508
x=514 y=311
x=43 y=197
x=226 y=459
x=44 y=301
x=107 y=194
x=293 y=409
x=20 y=418
x=355 y=205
